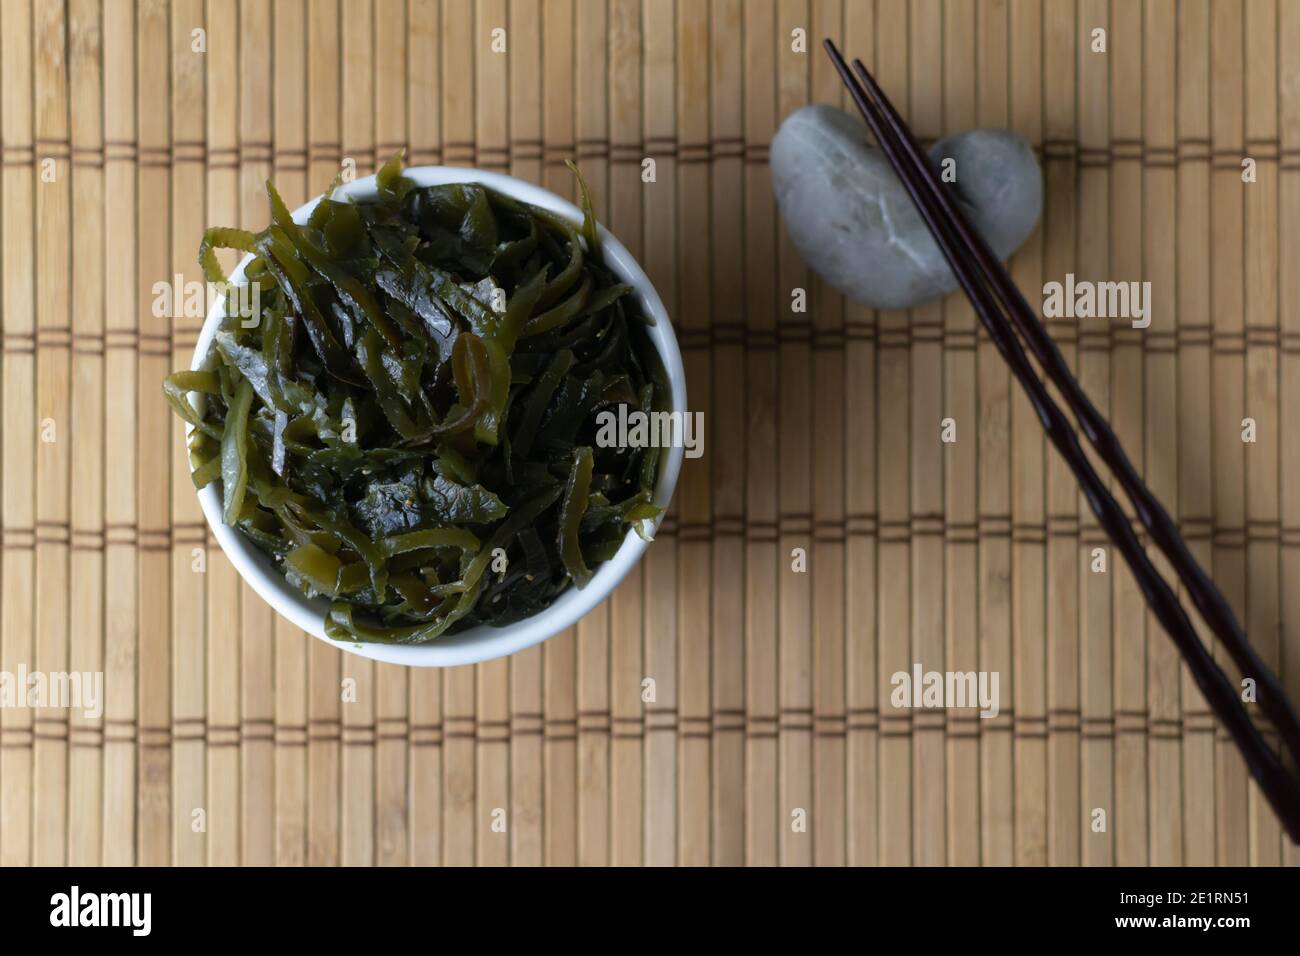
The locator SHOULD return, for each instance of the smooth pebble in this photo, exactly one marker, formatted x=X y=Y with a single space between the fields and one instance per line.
x=854 y=224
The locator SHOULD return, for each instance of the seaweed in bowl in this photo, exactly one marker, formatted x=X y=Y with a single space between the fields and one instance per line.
x=407 y=425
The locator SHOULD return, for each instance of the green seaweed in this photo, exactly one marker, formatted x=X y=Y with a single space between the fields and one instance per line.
x=417 y=399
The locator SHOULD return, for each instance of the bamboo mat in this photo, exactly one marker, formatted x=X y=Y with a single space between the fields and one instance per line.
x=770 y=737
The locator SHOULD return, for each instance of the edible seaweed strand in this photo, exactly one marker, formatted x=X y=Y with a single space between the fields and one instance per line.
x=576 y=494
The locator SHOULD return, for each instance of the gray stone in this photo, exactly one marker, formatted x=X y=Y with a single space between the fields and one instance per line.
x=854 y=224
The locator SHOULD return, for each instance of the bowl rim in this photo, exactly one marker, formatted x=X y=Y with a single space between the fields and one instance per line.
x=483 y=642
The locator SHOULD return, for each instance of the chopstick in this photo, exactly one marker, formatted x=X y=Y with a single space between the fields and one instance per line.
x=985 y=282
x=1207 y=598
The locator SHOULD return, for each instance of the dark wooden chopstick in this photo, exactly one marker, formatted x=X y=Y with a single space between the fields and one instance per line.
x=1211 y=603
x=985 y=281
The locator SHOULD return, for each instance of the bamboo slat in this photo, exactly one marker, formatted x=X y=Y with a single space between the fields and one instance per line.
x=732 y=702
x=991 y=791
x=53 y=413
x=694 y=503
x=1127 y=645
x=392 y=692
x=1260 y=254
x=257 y=621
x=225 y=591
x=459 y=831
x=86 y=653
x=1083 y=607
x=862 y=723
x=797 y=814
x=591 y=131
x=20 y=426
x=325 y=740
x=623 y=202
x=659 y=259
x=120 y=436
x=527 y=807
x=291 y=172
x=1289 y=372
x=893 y=503
x=559 y=655
x=927 y=390
x=492 y=714
x=1194 y=339
x=189 y=559
x=960 y=480
x=155 y=430
x=359 y=680
x=826 y=545
x=1159 y=264
x=726 y=435
x=763 y=815
x=1227 y=387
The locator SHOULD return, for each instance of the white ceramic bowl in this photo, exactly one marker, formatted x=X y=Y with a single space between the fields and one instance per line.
x=479 y=643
